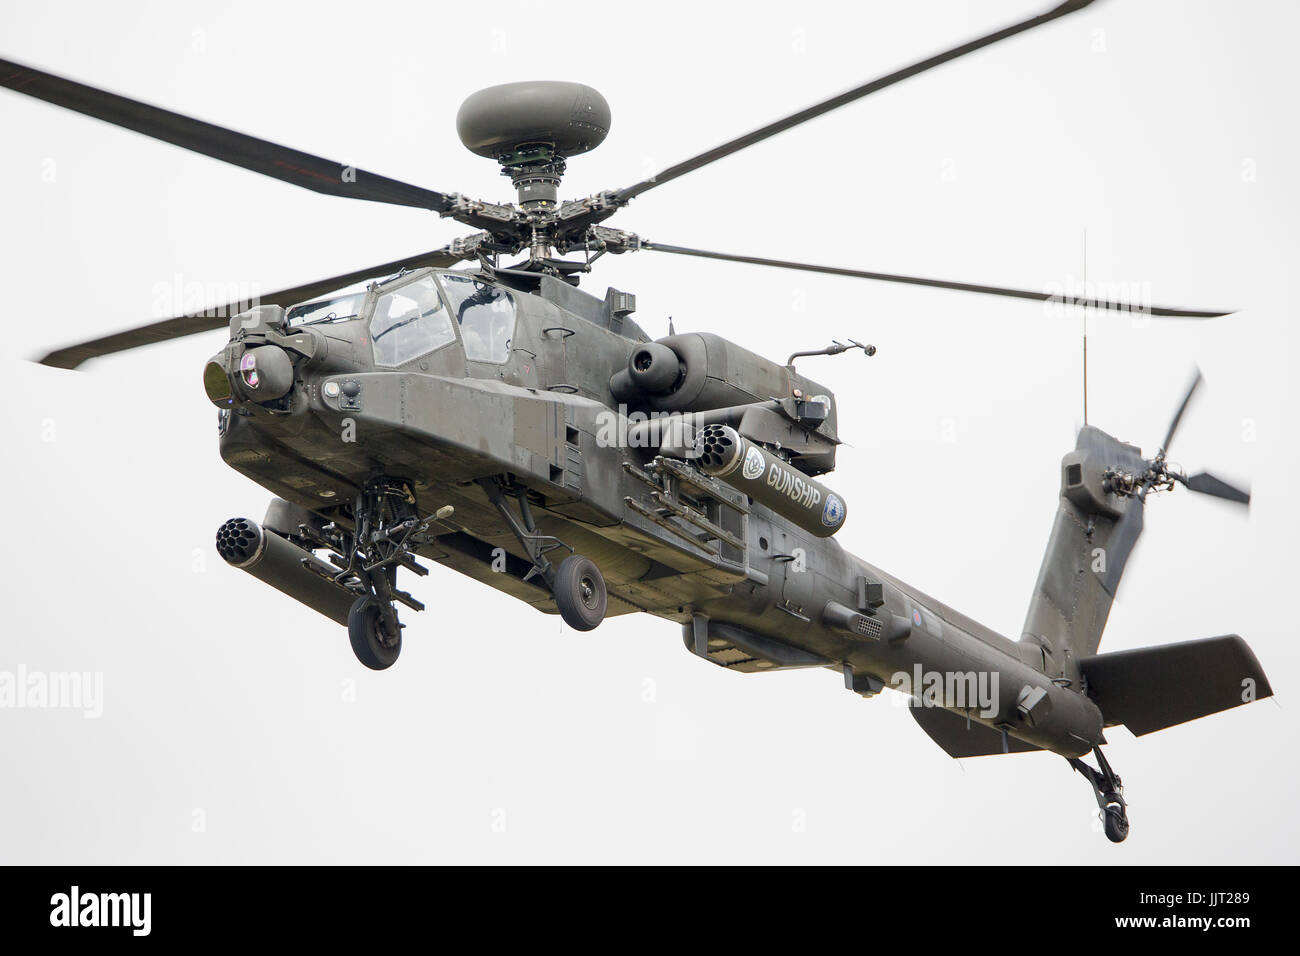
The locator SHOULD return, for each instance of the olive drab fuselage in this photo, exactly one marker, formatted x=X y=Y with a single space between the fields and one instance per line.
x=752 y=589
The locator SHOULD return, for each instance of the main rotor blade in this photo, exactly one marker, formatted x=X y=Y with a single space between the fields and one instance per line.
x=1208 y=484
x=259 y=155
x=1178 y=415
x=1123 y=538
x=848 y=96
x=1107 y=304
x=219 y=317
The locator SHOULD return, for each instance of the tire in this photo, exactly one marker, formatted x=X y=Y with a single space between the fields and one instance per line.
x=369 y=641
x=1116 y=824
x=580 y=593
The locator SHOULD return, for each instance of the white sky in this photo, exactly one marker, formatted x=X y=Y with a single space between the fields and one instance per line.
x=1162 y=128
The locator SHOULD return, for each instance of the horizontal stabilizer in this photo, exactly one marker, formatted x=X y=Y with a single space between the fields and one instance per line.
x=960 y=737
x=1152 y=688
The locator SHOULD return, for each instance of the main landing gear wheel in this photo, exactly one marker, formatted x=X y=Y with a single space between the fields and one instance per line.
x=1116 y=823
x=580 y=593
x=371 y=642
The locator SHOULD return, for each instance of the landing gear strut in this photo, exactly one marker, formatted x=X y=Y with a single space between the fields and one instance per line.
x=577 y=583
x=387 y=527
x=1109 y=791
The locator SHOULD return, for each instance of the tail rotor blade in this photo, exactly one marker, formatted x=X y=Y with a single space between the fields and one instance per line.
x=1178 y=415
x=1208 y=484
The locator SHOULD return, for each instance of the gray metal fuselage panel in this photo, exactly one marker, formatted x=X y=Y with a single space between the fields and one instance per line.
x=442 y=423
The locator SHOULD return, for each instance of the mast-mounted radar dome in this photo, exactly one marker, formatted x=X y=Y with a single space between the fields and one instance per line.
x=530 y=128
x=571 y=118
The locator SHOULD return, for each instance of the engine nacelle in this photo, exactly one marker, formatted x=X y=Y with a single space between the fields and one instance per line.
x=698 y=371
x=655 y=369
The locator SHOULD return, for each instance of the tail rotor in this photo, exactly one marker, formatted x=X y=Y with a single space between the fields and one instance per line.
x=1132 y=477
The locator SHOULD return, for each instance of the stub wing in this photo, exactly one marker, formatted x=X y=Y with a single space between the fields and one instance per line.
x=1151 y=688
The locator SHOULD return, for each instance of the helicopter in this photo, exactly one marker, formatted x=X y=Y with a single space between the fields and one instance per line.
x=500 y=421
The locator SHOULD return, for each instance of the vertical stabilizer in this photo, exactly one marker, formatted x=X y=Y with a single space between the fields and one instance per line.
x=1086 y=553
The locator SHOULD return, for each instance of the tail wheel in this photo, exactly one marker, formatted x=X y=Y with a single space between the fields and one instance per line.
x=371 y=642
x=1116 y=824
x=580 y=593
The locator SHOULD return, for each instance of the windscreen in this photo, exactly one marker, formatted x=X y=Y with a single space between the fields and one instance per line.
x=342 y=304
x=410 y=322
x=486 y=314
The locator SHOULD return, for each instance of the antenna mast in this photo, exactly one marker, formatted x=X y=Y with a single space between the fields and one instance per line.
x=1085 y=325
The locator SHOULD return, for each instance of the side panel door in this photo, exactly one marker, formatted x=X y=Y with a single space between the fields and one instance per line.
x=796 y=554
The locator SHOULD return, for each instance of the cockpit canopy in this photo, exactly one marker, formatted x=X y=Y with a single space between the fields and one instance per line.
x=409 y=322
x=411 y=316
x=337 y=306
x=486 y=314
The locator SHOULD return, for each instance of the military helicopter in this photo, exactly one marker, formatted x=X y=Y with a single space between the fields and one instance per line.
x=504 y=423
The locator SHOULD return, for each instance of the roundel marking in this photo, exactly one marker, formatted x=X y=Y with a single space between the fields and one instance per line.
x=754 y=464
x=833 y=513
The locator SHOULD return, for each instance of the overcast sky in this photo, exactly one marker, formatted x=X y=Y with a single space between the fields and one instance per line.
x=237 y=726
